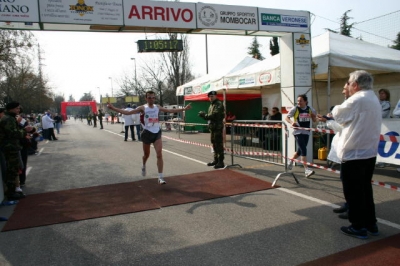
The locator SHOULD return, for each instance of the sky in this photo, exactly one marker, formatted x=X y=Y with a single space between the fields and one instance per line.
x=80 y=62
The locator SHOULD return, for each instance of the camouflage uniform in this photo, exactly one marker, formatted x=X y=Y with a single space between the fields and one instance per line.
x=216 y=115
x=10 y=136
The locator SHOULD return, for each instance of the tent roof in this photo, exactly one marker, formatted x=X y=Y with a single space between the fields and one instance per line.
x=330 y=51
x=196 y=84
x=345 y=54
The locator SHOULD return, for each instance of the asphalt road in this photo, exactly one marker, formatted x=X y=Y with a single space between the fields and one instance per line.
x=285 y=226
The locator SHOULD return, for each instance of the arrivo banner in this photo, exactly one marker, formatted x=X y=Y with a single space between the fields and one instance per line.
x=388 y=149
x=19 y=10
x=159 y=14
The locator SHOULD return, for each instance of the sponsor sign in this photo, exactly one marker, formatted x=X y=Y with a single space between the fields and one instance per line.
x=188 y=90
x=247 y=81
x=265 y=78
x=160 y=14
x=389 y=151
x=226 y=17
x=81 y=12
x=284 y=20
x=19 y=11
x=302 y=59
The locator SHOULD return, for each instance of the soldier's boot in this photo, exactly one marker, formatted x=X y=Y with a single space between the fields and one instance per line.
x=220 y=164
x=213 y=162
x=12 y=194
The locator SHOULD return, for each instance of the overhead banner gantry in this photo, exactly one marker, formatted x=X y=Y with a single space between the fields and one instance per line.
x=178 y=17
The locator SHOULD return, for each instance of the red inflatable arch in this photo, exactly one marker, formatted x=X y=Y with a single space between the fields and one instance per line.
x=64 y=106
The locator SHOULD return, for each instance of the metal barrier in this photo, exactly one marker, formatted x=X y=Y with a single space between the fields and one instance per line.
x=260 y=140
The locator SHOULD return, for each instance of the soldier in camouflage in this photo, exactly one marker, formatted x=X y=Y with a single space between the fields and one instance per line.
x=215 y=116
x=10 y=136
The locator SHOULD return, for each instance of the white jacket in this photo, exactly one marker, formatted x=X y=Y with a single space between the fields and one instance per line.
x=396 y=111
x=128 y=118
x=332 y=156
x=136 y=119
x=47 y=122
x=361 y=119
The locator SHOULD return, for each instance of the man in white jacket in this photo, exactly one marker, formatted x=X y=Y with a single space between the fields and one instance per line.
x=48 y=126
x=357 y=147
x=128 y=123
x=136 y=123
x=332 y=156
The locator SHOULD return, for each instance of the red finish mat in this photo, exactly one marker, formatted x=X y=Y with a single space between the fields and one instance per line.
x=384 y=252
x=106 y=200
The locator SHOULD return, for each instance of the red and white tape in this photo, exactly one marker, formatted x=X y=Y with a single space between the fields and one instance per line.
x=381 y=184
x=278 y=155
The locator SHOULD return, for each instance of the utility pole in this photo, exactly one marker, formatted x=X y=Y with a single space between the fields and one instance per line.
x=112 y=90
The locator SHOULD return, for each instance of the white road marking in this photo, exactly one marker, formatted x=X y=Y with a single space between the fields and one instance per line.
x=322 y=202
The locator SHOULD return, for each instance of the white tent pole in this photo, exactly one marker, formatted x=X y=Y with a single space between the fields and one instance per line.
x=224 y=129
x=206 y=55
x=329 y=89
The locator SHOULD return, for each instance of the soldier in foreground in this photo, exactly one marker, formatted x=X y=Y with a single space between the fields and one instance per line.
x=215 y=117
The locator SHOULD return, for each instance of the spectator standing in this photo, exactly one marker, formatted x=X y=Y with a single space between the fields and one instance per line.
x=25 y=143
x=94 y=119
x=100 y=116
x=128 y=123
x=112 y=117
x=332 y=156
x=361 y=119
x=48 y=123
x=303 y=115
x=136 y=123
x=396 y=111
x=10 y=137
x=57 y=121
x=384 y=99
x=276 y=115
x=265 y=114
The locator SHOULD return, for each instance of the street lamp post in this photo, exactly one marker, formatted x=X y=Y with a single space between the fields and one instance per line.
x=99 y=96
x=112 y=90
x=135 y=73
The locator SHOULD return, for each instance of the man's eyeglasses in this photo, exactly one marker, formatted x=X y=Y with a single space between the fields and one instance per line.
x=151 y=97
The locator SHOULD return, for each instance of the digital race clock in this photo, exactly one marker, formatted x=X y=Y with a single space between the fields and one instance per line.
x=159 y=46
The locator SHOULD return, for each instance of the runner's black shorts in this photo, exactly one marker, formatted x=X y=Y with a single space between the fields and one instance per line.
x=150 y=137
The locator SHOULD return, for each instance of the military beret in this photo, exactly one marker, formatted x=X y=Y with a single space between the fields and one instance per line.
x=212 y=93
x=11 y=105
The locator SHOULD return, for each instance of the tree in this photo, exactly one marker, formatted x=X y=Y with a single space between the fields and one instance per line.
x=153 y=79
x=58 y=99
x=177 y=68
x=254 y=49
x=162 y=73
x=396 y=43
x=345 y=28
x=21 y=84
x=274 y=46
x=13 y=44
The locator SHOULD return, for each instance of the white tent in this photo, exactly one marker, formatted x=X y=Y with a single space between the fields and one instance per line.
x=203 y=84
x=335 y=57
